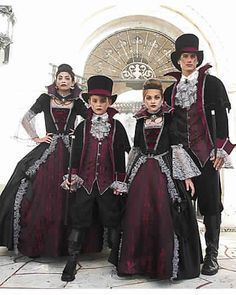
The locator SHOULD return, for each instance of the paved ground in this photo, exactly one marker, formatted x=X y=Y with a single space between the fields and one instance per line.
x=44 y=274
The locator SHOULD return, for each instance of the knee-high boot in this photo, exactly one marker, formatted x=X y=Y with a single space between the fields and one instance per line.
x=75 y=241
x=212 y=234
x=115 y=236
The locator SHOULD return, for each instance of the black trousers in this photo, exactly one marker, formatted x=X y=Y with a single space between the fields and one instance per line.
x=208 y=190
x=85 y=208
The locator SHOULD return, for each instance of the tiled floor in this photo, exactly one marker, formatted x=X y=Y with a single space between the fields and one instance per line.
x=97 y=273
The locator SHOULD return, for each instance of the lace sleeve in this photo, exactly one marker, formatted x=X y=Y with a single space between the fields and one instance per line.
x=221 y=153
x=121 y=186
x=183 y=165
x=28 y=123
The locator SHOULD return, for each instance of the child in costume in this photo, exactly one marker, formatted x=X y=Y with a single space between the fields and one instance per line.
x=98 y=172
x=160 y=237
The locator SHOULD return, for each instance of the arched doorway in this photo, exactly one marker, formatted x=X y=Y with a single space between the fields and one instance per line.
x=131 y=56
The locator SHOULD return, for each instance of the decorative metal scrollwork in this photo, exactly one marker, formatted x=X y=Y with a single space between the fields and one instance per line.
x=137 y=70
x=131 y=56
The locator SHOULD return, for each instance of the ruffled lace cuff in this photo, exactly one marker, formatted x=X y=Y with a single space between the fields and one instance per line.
x=120 y=186
x=183 y=165
x=77 y=182
x=221 y=153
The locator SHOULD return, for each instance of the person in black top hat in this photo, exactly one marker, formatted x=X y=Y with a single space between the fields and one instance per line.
x=200 y=126
x=32 y=203
x=98 y=172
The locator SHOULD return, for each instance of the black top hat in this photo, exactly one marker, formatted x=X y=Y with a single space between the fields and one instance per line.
x=186 y=43
x=99 y=85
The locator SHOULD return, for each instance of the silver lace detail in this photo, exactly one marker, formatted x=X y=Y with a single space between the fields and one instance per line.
x=164 y=169
x=100 y=126
x=134 y=152
x=24 y=183
x=175 y=259
x=221 y=153
x=174 y=197
x=78 y=182
x=173 y=194
x=120 y=186
x=32 y=169
x=16 y=219
x=186 y=93
x=142 y=159
x=183 y=165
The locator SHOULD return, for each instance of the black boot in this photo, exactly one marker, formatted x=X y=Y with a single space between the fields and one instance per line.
x=69 y=271
x=210 y=264
x=74 y=246
x=115 y=236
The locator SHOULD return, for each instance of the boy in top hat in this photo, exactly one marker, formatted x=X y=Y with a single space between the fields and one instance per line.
x=98 y=172
x=200 y=127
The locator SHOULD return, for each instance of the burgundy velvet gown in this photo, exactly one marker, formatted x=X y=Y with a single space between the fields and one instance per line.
x=32 y=202
x=42 y=216
x=153 y=242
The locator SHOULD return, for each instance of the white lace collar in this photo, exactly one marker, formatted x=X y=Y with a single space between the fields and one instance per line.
x=186 y=91
x=100 y=127
x=103 y=117
x=191 y=77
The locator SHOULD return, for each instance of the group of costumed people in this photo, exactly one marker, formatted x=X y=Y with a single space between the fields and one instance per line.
x=75 y=184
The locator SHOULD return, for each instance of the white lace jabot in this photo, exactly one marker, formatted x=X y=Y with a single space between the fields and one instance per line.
x=100 y=126
x=186 y=93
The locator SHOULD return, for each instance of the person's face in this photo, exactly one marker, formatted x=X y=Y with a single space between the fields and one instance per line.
x=64 y=82
x=153 y=100
x=99 y=104
x=188 y=63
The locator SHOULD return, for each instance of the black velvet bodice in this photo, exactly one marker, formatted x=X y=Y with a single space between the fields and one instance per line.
x=152 y=140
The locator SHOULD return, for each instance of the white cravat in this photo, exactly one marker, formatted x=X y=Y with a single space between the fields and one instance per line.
x=100 y=126
x=190 y=77
x=186 y=91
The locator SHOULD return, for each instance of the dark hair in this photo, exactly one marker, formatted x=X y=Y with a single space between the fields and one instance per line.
x=152 y=84
x=65 y=68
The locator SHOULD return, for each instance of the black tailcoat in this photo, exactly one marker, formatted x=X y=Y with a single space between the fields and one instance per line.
x=211 y=95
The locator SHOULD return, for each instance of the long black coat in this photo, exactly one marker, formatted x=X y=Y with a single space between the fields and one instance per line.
x=214 y=97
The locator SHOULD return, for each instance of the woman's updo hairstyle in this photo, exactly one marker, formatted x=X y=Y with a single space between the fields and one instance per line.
x=65 y=68
x=152 y=84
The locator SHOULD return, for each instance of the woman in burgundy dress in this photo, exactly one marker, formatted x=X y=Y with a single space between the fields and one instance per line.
x=160 y=233
x=32 y=203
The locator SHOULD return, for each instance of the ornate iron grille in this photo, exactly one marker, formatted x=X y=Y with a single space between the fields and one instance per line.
x=130 y=57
